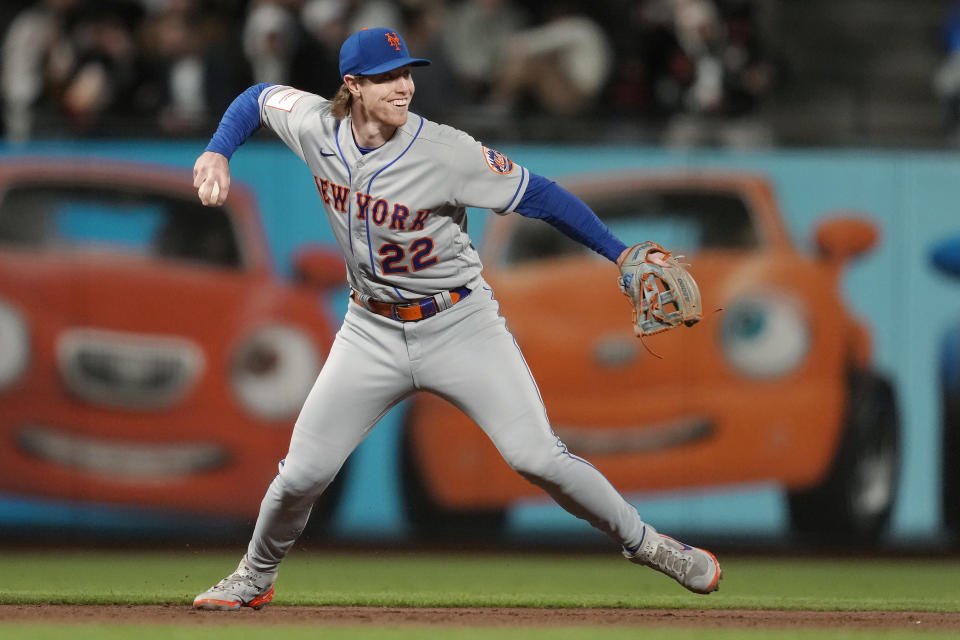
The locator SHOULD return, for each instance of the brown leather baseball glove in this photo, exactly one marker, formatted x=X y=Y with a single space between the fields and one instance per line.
x=663 y=296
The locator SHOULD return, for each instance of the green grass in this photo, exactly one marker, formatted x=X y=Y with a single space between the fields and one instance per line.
x=397 y=579
x=520 y=580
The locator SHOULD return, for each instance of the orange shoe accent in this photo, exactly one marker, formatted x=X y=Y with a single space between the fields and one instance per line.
x=261 y=601
x=714 y=585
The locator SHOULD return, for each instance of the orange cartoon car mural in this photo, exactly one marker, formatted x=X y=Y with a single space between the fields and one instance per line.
x=151 y=354
x=774 y=385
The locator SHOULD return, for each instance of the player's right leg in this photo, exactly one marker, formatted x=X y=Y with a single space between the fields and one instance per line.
x=366 y=373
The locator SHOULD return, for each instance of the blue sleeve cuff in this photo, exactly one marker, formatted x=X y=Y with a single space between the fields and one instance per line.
x=546 y=200
x=239 y=121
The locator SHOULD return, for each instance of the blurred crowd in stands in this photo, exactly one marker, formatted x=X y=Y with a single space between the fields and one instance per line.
x=696 y=70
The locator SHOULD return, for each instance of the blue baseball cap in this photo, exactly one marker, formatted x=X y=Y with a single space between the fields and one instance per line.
x=373 y=51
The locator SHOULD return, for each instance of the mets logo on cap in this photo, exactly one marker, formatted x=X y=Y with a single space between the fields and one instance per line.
x=393 y=40
x=497 y=162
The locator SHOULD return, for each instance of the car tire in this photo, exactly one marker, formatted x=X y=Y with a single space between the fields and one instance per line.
x=854 y=502
x=428 y=519
x=950 y=458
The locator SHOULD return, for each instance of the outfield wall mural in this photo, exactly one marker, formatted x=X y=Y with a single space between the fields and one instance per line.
x=153 y=353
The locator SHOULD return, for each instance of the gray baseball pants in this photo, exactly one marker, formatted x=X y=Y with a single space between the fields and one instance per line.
x=465 y=354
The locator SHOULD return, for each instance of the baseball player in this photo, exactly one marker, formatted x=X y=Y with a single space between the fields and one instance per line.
x=395 y=188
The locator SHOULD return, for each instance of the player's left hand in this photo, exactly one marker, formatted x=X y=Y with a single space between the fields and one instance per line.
x=211 y=178
x=654 y=256
x=661 y=291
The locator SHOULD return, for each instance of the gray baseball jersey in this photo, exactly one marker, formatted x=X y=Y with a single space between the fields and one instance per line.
x=399 y=215
x=399 y=211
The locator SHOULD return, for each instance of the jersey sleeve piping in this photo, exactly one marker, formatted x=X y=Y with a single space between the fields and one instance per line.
x=517 y=195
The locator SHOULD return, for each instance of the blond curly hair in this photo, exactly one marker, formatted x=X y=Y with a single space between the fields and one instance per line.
x=342 y=102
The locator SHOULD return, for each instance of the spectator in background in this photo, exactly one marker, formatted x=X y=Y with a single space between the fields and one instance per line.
x=279 y=36
x=730 y=75
x=270 y=37
x=702 y=68
x=364 y=14
x=475 y=36
x=697 y=65
x=324 y=25
x=440 y=94
x=946 y=79
x=751 y=72
x=191 y=73
x=561 y=65
x=640 y=32
x=37 y=58
x=99 y=97
x=693 y=84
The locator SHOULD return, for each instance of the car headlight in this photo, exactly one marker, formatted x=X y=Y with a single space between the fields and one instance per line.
x=273 y=370
x=14 y=345
x=765 y=336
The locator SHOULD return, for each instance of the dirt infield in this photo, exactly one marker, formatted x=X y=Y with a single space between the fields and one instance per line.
x=484 y=617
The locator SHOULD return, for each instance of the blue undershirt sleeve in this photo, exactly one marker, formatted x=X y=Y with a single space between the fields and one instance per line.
x=239 y=121
x=546 y=200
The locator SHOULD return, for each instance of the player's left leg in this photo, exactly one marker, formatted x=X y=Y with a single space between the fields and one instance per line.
x=486 y=376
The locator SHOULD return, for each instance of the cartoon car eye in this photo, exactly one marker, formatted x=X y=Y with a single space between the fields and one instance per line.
x=14 y=345
x=765 y=336
x=274 y=369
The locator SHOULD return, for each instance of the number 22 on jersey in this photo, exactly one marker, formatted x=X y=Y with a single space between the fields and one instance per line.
x=394 y=256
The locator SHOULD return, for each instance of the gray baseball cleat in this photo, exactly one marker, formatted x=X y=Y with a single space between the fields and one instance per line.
x=245 y=587
x=696 y=569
